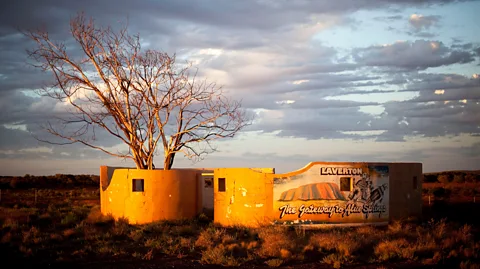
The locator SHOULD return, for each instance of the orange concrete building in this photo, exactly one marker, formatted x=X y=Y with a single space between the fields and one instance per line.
x=319 y=193
x=144 y=196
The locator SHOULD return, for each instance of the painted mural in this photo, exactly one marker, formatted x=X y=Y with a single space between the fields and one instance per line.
x=332 y=194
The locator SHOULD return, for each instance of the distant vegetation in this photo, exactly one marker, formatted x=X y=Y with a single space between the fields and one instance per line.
x=68 y=180
x=47 y=182
x=452 y=177
x=452 y=185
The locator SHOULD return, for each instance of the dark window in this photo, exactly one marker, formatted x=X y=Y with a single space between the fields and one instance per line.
x=221 y=184
x=345 y=184
x=208 y=182
x=415 y=182
x=137 y=185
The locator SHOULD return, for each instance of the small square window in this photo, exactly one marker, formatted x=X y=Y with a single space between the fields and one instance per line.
x=415 y=183
x=345 y=184
x=221 y=184
x=208 y=182
x=137 y=185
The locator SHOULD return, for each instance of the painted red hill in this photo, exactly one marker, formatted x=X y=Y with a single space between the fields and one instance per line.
x=315 y=191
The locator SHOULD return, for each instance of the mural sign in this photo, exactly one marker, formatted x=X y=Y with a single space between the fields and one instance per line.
x=332 y=194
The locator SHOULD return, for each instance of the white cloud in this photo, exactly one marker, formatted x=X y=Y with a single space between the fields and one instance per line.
x=211 y=51
x=37 y=150
x=365 y=133
x=298 y=82
x=285 y=102
x=22 y=127
x=419 y=21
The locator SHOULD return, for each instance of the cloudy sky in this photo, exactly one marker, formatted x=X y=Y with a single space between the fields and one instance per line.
x=343 y=80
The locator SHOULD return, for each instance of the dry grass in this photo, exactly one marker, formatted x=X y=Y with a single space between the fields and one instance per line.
x=275 y=242
x=67 y=231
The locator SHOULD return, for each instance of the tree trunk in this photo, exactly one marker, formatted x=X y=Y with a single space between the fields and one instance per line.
x=167 y=165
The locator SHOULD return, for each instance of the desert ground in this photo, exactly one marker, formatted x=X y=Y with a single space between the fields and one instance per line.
x=55 y=222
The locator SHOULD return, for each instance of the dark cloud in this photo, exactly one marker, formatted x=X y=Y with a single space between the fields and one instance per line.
x=427 y=83
x=315 y=122
x=253 y=14
x=427 y=119
x=390 y=18
x=463 y=46
x=332 y=81
x=454 y=110
x=268 y=57
x=16 y=73
x=422 y=34
x=417 y=55
x=362 y=92
x=477 y=51
x=28 y=115
x=14 y=139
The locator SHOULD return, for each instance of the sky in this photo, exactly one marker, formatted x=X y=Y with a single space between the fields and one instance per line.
x=343 y=80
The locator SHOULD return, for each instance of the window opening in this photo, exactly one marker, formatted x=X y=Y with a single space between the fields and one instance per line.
x=345 y=184
x=221 y=184
x=137 y=185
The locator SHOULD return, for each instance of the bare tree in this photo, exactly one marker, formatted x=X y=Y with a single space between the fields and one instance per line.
x=141 y=98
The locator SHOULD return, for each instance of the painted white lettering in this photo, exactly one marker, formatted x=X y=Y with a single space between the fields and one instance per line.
x=340 y=171
x=372 y=209
x=351 y=208
x=287 y=210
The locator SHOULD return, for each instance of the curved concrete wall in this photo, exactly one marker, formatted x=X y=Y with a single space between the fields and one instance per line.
x=166 y=194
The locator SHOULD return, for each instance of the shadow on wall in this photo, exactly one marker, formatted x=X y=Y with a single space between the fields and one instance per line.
x=144 y=196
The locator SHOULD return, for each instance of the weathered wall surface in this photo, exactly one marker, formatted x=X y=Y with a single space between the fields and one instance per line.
x=325 y=192
x=406 y=190
x=321 y=192
x=171 y=194
x=242 y=196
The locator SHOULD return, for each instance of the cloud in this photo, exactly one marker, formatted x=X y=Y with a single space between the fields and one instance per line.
x=391 y=18
x=477 y=51
x=432 y=119
x=331 y=121
x=448 y=83
x=446 y=104
x=258 y=50
x=260 y=14
x=429 y=114
x=420 y=22
x=408 y=55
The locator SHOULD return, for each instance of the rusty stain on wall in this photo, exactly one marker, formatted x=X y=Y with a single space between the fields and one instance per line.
x=254 y=196
x=321 y=192
x=166 y=195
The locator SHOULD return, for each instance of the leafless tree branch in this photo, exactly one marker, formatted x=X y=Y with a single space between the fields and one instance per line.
x=143 y=99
